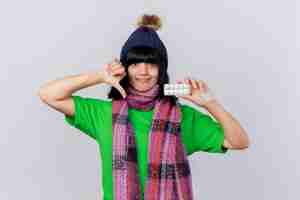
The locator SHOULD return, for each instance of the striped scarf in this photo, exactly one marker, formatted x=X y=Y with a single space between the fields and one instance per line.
x=169 y=176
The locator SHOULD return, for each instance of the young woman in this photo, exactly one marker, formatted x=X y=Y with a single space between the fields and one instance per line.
x=145 y=137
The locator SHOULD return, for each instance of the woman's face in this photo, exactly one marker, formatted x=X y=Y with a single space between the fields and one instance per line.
x=143 y=76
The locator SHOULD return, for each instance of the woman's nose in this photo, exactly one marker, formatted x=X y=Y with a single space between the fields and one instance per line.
x=144 y=68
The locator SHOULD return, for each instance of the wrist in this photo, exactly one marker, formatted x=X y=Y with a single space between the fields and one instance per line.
x=211 y=104
x=100 y=76
x=93 y=78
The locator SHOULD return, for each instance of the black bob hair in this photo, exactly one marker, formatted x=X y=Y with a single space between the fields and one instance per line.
x=146 y=55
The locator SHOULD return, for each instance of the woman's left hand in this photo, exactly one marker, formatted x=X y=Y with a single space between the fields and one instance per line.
x=200 y=93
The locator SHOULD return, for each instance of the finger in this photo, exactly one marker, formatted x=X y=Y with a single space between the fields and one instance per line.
x=115 y=64
x=203 y=87
x=194 y=85
x=118 y=71
x=123 y=75
x=112 y=65
x=114 y=61
x=199 y=85
x=120 y=89
x=117 y=67
x=107 y=68
x=186 y=80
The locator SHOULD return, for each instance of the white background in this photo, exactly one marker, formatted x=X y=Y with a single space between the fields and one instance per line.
x=246 y=51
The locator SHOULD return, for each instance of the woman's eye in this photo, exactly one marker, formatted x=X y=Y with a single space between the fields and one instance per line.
x=150 y=64
x=132 y=65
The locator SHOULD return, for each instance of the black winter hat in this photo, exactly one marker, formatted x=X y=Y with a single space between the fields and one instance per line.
x=146 y=35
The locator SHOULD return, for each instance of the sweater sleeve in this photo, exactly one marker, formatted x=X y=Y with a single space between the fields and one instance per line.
x=208 y=134
x=86 y=115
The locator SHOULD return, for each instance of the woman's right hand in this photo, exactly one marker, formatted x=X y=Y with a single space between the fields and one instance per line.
x=114 y=72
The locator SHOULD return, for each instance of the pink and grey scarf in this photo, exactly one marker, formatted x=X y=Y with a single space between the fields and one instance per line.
x=169 y=176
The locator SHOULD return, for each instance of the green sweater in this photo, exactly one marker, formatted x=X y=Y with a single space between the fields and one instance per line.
x=199 y=132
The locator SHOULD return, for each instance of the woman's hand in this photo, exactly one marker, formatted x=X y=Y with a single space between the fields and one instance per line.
x=113 y=73
x=200 y=93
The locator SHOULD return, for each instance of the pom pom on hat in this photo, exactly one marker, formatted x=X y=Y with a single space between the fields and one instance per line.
x=152 y=21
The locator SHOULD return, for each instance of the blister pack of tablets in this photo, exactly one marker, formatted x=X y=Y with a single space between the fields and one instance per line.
x=177 y=89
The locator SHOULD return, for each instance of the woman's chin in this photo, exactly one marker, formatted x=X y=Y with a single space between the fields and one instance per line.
x=143 y=88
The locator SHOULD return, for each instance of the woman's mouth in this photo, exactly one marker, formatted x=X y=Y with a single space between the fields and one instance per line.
x=143 y=79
